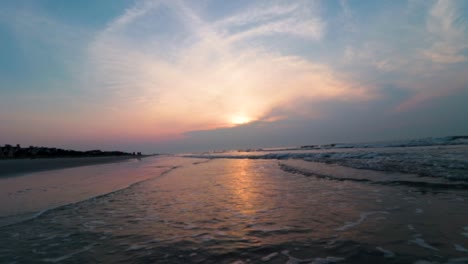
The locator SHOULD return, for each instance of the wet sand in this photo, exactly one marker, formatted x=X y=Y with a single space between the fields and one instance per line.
x=22 y=197
x=17 y=167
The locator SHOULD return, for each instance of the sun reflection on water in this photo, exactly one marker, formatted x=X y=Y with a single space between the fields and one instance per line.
x=243 y=187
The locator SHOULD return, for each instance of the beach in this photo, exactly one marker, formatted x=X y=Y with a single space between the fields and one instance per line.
x=242 y=211
x=16 y=167
x=28 y=195
x=234 y=132
x=290 y=206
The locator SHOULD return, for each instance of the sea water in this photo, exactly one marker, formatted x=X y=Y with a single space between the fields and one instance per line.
x=246 y=209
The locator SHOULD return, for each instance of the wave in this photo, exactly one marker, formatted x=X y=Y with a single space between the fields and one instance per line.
x=421 y=142
x=382 y=178
x=449 y=161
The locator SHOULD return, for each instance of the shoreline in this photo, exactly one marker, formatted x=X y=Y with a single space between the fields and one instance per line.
x=25 y=197
x=19 y=167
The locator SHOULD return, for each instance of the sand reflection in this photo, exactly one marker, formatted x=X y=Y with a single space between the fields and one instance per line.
x=38 y=191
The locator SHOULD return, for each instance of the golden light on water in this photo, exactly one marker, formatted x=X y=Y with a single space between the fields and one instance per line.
x=242 y=185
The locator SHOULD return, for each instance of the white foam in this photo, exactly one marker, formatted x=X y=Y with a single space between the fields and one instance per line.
x=387 y=253
x=460 y=248
x=207 y=238
x=55 y=260
x=135 y=247
x=238 y=262
x=220 y=233
x=93 y=224
x=327 y=260
x=293 y=260
x=190 y=227
x=408 y=160
x=420 y=242
x=361 y=219
x=270 y=256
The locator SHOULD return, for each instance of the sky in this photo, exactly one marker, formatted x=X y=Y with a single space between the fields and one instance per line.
x=179 y=76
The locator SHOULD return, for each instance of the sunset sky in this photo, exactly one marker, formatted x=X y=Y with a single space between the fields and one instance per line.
x=171 y=76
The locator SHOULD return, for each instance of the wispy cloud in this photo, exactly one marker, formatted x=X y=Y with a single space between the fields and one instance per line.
x=297 y=19
x=164 y=67
x=348 y=16
x=258 y=14
x=447 y=24
x=415 y=57
x=207 y=79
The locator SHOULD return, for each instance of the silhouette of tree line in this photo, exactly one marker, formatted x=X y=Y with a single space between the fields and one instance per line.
x=17 y=152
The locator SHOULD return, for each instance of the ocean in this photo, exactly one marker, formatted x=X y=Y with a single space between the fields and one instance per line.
x=397 y=202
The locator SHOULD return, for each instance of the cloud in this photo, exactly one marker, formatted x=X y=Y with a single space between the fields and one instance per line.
x=258 y=14
x=447 y=25
x=298 y=19
x=306 y=29
x=210 y=74
x=348 y=17
x=32 y=28
x=427 y=58
x=163 y=68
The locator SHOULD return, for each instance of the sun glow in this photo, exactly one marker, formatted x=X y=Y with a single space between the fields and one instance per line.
x=240 y=120
x=211 y=79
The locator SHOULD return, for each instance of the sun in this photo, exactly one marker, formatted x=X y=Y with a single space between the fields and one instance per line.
x=240 y=120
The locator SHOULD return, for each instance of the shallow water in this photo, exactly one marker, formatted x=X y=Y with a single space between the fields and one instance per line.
x=25 y=196
x=248 y=211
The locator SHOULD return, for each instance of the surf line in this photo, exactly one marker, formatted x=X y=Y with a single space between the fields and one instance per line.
x=32 y=216
x=361 y=219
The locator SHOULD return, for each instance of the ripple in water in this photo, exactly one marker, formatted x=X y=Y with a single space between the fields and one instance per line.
x=247 y=211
